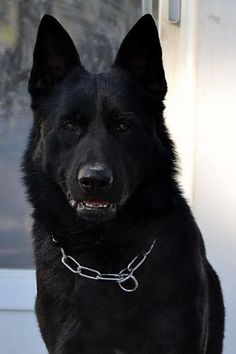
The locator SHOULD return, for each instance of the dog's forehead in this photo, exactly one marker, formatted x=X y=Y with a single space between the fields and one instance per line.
x=111 y=92
x=102 y=85
x=107 y=91
x=97 y=92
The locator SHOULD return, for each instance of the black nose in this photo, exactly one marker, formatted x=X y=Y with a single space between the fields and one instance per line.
x=95 y=178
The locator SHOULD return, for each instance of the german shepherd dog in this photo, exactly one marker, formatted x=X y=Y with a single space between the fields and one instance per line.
x=121 y=265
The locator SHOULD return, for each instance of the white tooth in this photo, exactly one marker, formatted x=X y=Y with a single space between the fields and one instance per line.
x=73 y=203
x=94 y=205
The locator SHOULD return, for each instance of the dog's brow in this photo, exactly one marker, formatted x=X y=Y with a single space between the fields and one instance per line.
x=119 y=113
x=99 y=93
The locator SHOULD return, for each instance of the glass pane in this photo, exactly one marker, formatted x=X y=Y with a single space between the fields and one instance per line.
x=97 y=28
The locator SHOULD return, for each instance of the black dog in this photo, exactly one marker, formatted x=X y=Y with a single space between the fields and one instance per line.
x=100 y=173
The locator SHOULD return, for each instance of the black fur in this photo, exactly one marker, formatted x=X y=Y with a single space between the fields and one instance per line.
x=114 y=120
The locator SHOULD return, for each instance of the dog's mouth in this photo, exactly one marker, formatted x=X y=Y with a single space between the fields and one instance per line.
x=93 y=208
x=91 y=204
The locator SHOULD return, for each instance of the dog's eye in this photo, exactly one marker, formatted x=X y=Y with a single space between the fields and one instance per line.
x=69 y=126
x=122 y=126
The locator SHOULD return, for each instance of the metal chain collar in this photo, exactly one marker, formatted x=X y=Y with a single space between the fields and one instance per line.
x=121 y=278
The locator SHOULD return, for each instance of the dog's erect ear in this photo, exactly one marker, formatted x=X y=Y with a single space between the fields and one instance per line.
x=54 y=56
x=140 y=54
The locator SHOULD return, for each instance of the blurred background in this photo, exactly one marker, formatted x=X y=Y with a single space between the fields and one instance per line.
x=199 y=49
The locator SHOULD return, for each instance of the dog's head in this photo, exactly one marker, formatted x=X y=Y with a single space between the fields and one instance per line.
x=97 y=137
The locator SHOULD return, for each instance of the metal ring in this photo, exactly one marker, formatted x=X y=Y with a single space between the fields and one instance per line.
x=127 y=289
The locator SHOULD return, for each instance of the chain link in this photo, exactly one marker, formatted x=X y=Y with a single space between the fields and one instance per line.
x=125 y=275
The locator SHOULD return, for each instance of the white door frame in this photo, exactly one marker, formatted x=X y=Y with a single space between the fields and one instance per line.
x=18 y=289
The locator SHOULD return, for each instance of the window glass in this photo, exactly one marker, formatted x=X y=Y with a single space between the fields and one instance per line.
x=97 y=28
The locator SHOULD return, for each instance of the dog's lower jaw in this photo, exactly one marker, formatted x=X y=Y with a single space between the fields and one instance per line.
x=118 y=351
